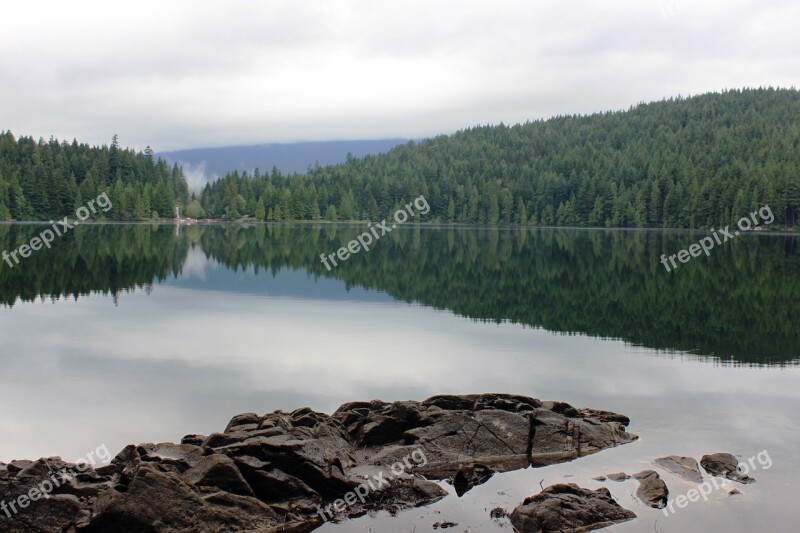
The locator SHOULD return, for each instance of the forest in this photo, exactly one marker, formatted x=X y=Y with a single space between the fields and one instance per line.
x=43 y=180
x=694 y=162
x=682 y=163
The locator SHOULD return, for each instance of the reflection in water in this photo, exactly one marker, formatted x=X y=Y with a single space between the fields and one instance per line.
x=737 y=305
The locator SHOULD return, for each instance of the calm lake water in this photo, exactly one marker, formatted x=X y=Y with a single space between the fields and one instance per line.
x=126 y=334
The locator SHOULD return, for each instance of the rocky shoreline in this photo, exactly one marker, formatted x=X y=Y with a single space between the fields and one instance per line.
x=292 y=471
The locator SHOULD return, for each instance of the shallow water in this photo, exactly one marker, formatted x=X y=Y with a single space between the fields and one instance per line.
x=127 y=334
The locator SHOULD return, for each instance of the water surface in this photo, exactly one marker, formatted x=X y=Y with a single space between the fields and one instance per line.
x=138 y=333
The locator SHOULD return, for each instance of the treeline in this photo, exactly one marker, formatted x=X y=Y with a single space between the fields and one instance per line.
x=43 y=180
x=683 y=162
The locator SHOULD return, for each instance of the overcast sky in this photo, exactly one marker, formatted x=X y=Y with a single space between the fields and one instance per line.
x=183 y=74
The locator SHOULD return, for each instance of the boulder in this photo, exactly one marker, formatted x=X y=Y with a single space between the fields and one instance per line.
x=652 y=489
x=568 y=508
x=684 y=467
x=500 y=431
x=724 y=465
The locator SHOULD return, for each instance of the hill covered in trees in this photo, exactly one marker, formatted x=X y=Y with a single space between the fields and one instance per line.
x=43 y=180
x=682 y=162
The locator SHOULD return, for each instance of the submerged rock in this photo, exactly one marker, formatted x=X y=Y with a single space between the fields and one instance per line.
x=290 y=471
x=724 y=465
x=568 y=508
x=683 y=467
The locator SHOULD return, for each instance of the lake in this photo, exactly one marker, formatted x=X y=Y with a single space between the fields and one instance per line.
x=144 y=333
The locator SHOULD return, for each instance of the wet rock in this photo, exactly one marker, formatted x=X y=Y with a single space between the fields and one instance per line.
x=652 y=489
x=194 y=439
x=568 y=507
x=497 y=513
x=220 y=472
x=270 y=472
x=683 y=467
x=159 y=501
x=470 y=475
x=618 y=476
x=444 y=525
x=734 y=491
x=599 y=478
x=724 y=465
x=501 y=432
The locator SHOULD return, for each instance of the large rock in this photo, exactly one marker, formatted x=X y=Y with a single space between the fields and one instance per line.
x=724 y=465
x=500 y=431
x=568 y=508
x=652 y=489
x=683 y=467
x=276 y=471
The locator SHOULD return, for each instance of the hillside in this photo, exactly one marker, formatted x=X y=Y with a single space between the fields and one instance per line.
x=681 y=162
x=43 y=180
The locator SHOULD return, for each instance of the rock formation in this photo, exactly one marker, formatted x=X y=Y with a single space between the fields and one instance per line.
x=290 y=471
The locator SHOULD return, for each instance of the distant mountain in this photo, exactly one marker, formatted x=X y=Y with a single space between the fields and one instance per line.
x=289 y=157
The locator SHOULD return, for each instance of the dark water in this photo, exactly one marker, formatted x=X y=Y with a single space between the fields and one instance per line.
x=141 y=333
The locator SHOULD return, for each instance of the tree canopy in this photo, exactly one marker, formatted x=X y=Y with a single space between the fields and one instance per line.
x=43 y=180
x=681 y=162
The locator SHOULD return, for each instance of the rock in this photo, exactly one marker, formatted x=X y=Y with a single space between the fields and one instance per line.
x=683 y=467
x=194 y=439
x=444 y=525
x=498 y=513
x=220 y=472
x=734 y=491
x=159 y=501
x=599 y=478
x=501 y=432
x=724 y=465
x=270 y=472
x=568 y=507
x=652 y=489
x=619 y=476
x=401 y=493
x=469 y=475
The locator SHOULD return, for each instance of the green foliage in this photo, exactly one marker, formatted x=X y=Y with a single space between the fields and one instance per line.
x=682 y=162
x=194 y=210
x=43 y=180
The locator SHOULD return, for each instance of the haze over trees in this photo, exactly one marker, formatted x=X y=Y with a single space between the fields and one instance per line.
x=682 y=162
x=43 y=180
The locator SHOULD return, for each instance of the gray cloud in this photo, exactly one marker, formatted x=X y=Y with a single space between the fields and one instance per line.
x=186 y=74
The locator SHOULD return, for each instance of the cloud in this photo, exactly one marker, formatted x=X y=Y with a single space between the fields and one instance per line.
x=188 y=74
